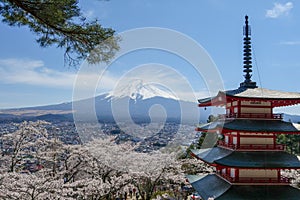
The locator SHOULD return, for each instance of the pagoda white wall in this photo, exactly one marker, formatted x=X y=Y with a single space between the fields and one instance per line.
x=258 y=173
x=252 y=140
x=255 y=103
x=256 y=107
x=256 y=110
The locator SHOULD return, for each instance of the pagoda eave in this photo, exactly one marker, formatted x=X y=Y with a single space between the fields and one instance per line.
x=250 y=126
x=207 y=130
x=198 y=158
x=241 y=159
x=214 y=186
x=250 y=168
x=274 y=102
x=282 y=99
x=225 y=130
x=260 y=159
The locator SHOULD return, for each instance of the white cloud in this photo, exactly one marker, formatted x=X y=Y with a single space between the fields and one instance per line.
x=279 y=10
x=290 y=43
x=33 y=72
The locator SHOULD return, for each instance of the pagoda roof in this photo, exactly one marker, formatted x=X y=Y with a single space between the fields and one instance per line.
x=209 y=185
x=260 y=159
x=278 y=98
x=214 y=186
x=262 y=93
x=247 y=159
x=209 y=155
x=265 y=192
x=252 y=125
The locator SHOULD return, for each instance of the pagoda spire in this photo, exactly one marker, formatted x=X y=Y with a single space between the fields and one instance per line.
x=247 y=57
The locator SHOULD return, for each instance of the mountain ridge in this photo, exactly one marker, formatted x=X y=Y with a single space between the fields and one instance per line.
x=137 y=101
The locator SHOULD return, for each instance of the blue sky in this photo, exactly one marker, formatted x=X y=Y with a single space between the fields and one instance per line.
x=31 y=75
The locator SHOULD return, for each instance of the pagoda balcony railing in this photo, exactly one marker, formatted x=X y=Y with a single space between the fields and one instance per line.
x=224 y=144
x=255 y=179
x=279 y=147
x=252 y=115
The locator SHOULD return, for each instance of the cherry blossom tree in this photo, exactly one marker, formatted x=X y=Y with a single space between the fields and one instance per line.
x=69 y=171
x=29 y=186
x=292 y=174
x=21 y=146
x=147 y=171
x=97 y=170
x=88 y=177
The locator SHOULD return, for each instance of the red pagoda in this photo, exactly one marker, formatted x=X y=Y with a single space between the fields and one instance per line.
x=248 y=161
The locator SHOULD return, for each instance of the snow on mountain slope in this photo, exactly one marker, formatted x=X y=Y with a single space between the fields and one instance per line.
x=137 y=89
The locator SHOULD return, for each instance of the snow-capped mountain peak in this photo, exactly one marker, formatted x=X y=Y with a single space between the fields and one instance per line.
x=137 y=89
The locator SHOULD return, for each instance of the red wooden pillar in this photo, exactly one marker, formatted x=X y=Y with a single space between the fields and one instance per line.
x=274 y=140
x=237 y=174
x=238 y=139
x=278 y=175
x=228 y=171
x=239 y=108
x=230 y=141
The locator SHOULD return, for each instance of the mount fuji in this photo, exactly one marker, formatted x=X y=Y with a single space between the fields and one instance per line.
x=135 y=101
x=136 y=89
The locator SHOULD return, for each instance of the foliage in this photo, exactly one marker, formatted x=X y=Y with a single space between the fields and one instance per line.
x=202 y=142
x=192 y=146
x=201 y=139
x=292 y=142
x=60 y=23
x=188 y=152
x=212 y=118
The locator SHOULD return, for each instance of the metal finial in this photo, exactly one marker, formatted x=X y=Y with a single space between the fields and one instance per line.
x=247 y=30
x=247 y=57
